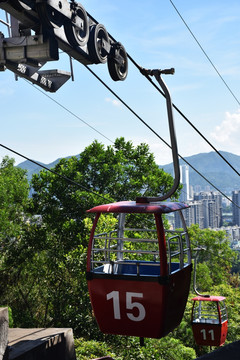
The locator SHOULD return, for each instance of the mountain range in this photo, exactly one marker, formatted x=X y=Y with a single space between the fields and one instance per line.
x=210 y=165
x=214 y=169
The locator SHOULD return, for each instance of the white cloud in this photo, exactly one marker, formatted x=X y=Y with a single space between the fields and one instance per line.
x=227 y=133
x=114 y=102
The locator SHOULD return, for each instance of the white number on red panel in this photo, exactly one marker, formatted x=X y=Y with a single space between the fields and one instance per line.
x=130 y=305
x=211 y=332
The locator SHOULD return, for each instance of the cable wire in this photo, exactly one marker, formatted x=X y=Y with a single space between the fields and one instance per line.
x=69 y=111
x=185 y=118
x=55 y=173
x=213 y=253
x=130 y=109
x=174 y=106
x=135 y=114
x=152 y=130
x=148 y=126
x=204 y=52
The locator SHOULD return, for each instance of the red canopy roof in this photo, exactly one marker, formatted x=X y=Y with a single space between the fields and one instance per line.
x=209 y=298
x=133 y=207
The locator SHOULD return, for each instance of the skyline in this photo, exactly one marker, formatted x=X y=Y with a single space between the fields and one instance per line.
x=36 y=124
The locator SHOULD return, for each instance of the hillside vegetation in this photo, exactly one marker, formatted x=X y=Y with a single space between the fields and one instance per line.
x=43 y=259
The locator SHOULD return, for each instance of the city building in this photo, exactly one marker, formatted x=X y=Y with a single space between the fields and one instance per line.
x=236 y=208
x=206 y=207
x=205 y=210
x=184 y=180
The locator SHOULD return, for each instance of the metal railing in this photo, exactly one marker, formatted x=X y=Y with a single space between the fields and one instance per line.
x=133 y=249
x=207 y=312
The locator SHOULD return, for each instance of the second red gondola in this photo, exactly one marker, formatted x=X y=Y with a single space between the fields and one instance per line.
x=209 y=320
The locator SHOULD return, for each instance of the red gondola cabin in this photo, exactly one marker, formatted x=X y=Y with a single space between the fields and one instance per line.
x=209 y=320
x=139 y=279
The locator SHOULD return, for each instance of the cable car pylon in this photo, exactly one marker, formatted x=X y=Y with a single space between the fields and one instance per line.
x=139 y=278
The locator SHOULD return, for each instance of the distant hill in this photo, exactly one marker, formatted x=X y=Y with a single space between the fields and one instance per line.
x=214 y=168
x=211 y=165
x=33 y=168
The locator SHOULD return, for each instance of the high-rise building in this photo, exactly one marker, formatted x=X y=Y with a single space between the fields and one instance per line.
x=205 y=210
x=184 y=179
x=236 y=209
x=192 y=215
x=211 y=207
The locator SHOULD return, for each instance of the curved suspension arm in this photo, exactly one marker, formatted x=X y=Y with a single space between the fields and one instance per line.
x=157 y=74
x=195 y=273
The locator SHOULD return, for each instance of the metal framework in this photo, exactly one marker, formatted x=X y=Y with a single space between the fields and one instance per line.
x=111 y=251
x=37 y=29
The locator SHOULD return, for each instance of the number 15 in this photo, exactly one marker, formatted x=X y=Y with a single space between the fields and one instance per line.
x=129 y=305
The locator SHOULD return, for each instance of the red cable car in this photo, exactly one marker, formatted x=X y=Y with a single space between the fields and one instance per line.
x=138 y=279
x=209 y=320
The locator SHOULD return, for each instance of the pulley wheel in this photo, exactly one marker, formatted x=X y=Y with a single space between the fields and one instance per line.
x=78 y=36
x=98 y=43
x=49 y=16
x=118 y=62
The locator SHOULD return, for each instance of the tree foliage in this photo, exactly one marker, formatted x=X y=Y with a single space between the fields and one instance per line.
x=128 y=348
x=43 y=259
x=119 y=172
x=14 y=189
x=214 y=251
x=49 y=276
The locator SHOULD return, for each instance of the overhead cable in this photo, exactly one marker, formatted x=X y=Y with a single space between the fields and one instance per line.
x=144 y=122
x=128 y=107
x=185 y=118
x=204 y=52
x=174 y=106
x=69 y=111
x=54 y=172
x=152 y=130
x=148 y=126
x=193 y=243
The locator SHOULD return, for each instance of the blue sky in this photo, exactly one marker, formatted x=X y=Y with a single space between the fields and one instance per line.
x=35 y=125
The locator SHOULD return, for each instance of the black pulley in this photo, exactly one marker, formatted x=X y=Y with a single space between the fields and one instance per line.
x=98 y=44
x=77 y=30
x=118 y=62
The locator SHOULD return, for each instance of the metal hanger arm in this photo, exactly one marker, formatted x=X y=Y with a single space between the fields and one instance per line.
x=157 y=74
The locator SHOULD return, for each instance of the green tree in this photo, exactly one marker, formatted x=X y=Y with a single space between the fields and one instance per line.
x=43 y=262
x=119 y=172
x=216 y=253
x=14 y=219
x=14 y=190
x=50 y=285
x=128 y=348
